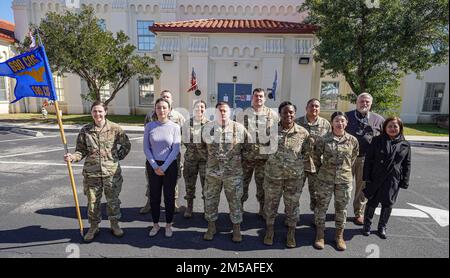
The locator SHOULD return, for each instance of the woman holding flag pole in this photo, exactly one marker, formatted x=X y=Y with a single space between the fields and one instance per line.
x=34 y=79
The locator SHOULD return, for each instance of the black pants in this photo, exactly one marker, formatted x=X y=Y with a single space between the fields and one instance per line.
x=374 y=203
x=166 y=184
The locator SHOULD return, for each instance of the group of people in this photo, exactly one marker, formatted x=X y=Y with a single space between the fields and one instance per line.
x=279 y=149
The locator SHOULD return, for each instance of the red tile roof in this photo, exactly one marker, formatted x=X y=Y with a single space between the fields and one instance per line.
x=7 y=31
x=234 y=26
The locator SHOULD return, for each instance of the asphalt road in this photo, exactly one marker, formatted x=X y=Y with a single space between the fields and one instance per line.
x=37 y=214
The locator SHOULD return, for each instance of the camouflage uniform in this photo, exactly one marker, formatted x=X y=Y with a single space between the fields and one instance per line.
x=334 y=157
x=224 y=146
x=177 y=118
x=317 y=129
x=194 y=157
x=284 y=173
x=254 y=160
x=101 y=169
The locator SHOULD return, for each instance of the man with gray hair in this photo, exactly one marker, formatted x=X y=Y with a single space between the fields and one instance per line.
x=364 y=125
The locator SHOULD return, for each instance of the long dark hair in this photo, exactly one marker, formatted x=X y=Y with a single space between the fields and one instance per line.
x=160 y=100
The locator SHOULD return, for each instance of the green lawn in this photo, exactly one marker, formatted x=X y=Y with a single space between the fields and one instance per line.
x=410 y=129
x=425 y=130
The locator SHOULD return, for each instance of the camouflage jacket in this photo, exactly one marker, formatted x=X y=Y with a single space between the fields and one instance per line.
x=256 y=123
x=317 y=129
x=102 y=148
x=224 y=147
x=192 y=139
x=334 y=158
x=292 y=156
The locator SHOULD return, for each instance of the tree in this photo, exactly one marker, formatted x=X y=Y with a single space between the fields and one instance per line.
x=76 y=43
x=374 y=43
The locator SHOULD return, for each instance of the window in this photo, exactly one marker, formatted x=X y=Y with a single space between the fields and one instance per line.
x=57 y=80
x=433 y=97
x=146 y=91
x=105 y=92
x=3 y=91
x=102 y=24
x=329 y=95
x=146 y=39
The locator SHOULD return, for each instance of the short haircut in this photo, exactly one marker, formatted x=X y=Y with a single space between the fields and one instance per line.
x=364 y=94
x=286 y=103
x=259 y=90
x=312 y=100
x=338 y=113
x=390 y=119
x=220 y=103
x=160 y=100
x=101 y=103
x=165 y=91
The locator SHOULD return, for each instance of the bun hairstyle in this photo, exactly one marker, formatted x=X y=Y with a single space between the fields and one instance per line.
x=286 y=103
x=101 y=103
x=338 y=113
x=161 y=100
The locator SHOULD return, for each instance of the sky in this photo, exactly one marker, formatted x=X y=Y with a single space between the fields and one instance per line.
x=6 y=12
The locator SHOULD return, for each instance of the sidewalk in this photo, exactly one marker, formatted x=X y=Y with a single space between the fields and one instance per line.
x=34 y=128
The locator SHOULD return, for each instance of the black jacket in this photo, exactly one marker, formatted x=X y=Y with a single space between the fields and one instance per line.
x=387 y=168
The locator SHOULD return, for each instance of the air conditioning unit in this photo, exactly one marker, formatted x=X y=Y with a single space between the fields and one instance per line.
x=167 y=57
x=303 y=60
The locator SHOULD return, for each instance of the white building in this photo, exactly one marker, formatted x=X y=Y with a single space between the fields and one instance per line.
x=6 y=42
x=240 y=51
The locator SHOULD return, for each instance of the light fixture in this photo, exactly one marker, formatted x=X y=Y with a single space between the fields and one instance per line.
x=167 y=57
x=234 y=79
x=303 y=60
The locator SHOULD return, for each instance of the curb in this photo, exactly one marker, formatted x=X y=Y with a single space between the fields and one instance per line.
x=439 y=145
x=27 y=132
x=71 y=129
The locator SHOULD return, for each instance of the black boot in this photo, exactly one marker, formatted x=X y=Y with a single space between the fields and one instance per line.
x=384 y=217
x=368 y=215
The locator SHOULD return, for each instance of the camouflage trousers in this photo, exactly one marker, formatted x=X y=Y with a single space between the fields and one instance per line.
x=191 y=169
x=233 y=193
x=93 y=189
x=342 y=196
x=313 y=183
x=180 y=166
x=257 y=166
x=291 y=190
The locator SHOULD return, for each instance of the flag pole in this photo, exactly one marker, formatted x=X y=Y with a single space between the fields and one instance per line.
x=69 y=167
x=64 y=141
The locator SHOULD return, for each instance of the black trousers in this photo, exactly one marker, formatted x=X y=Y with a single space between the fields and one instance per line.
x=162 y=184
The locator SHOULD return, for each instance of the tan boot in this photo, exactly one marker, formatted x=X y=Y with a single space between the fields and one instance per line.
x=290 y=241
x=261 y=211
x=209 y=235
x=340 y=243
x=189 y=209
x=146 y=208
x=237 y=237
x=320 y=238
x=93 y=231
x=268 y=238
x=115 y=229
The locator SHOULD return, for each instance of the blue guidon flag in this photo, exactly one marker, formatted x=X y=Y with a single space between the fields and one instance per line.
x=32 y=73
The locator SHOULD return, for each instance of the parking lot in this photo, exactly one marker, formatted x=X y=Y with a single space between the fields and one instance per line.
x=37 y=214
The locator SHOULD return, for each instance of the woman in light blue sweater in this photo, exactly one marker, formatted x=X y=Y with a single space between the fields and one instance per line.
x=162 y=141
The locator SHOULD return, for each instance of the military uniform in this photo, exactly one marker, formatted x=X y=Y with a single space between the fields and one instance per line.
x=284 y=172
x=254 y=160
x=224 y=146
x=101 y=171
x=334 y=157
x=317 y=129
x=177 y=118
x=194 y=157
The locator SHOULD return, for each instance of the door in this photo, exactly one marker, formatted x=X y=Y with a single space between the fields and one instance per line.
x=237 y=95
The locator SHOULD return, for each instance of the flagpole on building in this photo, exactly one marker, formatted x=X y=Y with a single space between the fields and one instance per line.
x=66 y=149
